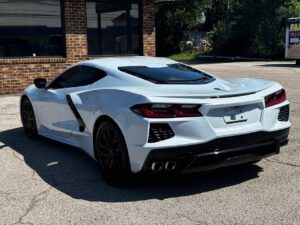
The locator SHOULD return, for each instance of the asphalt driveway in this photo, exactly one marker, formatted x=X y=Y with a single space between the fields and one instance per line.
x=44 y=182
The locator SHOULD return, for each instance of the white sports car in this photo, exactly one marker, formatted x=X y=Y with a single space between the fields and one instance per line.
x=157 y=116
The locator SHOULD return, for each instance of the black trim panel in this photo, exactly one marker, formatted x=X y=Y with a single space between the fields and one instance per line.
x=284 y=113
x=82 y=125
x=221 y=152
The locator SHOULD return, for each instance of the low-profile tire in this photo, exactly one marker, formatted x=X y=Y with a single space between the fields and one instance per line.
x=112 y=154
x=28 y=118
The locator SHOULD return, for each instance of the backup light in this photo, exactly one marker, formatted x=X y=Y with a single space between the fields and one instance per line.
x=167 y=110
x=275 y=98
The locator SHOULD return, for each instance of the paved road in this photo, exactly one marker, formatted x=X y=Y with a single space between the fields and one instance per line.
x=43 y=182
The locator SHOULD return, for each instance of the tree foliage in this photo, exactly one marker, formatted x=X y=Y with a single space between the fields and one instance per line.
x=240 y=27
x=172 y=20
x=254 y=28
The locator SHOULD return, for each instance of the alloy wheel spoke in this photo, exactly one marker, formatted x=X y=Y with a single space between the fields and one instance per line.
x=27 y=125
x=118 y=161
x=25 y=116
x=110 y=149
x=116 y=142
x=118 y=151
x=105 y=155
x=108 y=132
x=26 y=107
x=105 y=161
x=30 y=114
x=103 y=138
x=111 y=164
x=107 y=151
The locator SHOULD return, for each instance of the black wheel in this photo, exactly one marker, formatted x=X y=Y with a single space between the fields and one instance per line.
x=28 y=118
x=112 y=154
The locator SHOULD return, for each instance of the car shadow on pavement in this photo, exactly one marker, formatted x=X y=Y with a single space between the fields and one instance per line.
x=72 y=172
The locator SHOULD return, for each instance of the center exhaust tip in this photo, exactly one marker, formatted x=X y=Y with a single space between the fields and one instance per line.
x=157 y=166
x=170 y=165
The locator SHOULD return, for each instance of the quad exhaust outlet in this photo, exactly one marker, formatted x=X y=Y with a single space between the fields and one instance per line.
x=170 y=165
x=160 y=166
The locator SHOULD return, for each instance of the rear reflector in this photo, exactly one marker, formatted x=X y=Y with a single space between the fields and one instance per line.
x=167 y=110
x=275 y=98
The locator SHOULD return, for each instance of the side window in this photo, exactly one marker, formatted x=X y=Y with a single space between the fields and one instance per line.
x=60 y=82
x=77 y=76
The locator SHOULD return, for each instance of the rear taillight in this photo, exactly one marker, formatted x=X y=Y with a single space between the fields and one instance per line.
x=167 y=110
x=275 y=98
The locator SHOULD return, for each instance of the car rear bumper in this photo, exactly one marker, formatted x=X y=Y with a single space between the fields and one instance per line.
x=217 y=153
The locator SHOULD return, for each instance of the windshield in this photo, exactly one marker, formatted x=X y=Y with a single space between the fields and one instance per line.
x=170 y=74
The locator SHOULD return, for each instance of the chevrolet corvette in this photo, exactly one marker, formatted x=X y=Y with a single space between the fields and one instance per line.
x=148 y=115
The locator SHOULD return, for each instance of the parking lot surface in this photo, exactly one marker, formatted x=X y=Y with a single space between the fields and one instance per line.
x=44 y=182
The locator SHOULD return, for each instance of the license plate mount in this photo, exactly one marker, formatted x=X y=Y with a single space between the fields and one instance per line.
x=235 y=115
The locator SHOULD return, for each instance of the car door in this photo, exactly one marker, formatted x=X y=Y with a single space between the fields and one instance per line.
x=55 y=113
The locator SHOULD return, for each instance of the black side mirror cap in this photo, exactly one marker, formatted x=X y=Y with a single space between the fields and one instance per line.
x=40 y=83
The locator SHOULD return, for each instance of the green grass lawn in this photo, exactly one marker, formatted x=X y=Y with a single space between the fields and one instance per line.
x=185 y=56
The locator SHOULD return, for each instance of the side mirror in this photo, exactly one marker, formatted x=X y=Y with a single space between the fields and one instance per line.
x=40 y=83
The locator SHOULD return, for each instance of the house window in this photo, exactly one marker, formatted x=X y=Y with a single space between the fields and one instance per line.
x=31 y=28
x=113 y=27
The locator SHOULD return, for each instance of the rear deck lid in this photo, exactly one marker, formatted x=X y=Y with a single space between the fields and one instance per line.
x=219 y=88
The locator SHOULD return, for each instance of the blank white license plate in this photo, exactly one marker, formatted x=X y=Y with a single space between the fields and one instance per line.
x=235 y=115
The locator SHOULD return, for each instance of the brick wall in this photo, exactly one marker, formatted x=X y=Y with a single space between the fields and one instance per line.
x=18 y=73
x=75 y=29
x=149 y=28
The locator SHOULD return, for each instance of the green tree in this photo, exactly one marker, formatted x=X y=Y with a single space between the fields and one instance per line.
x=254 y=28
x=216 y=11
x=173 y=20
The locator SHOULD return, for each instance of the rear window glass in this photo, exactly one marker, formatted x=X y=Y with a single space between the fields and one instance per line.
x=170 y=74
